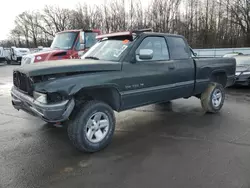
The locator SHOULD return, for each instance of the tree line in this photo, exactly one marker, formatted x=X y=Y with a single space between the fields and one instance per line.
x=205 y=23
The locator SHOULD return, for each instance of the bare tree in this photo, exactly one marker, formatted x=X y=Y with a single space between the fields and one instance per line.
x=240 y=10
x=205 y=23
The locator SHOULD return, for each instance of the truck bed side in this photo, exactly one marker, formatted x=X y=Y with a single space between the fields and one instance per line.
x=221 y=70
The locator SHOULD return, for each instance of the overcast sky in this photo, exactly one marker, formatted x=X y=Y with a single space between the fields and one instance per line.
x=11 y=8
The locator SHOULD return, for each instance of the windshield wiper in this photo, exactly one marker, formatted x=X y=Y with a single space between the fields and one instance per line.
x=92 y=57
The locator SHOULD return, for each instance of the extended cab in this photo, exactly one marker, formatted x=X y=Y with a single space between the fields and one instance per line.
x=122 y=71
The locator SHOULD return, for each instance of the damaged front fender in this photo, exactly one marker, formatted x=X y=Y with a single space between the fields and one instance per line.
x=68 y=86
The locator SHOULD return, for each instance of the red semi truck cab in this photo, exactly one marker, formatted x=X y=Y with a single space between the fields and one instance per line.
x=70 y=44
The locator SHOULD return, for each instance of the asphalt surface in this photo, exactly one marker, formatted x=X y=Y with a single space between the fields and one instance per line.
x=174 y=145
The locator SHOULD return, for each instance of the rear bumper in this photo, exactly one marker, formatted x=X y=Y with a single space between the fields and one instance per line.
x=52 y=113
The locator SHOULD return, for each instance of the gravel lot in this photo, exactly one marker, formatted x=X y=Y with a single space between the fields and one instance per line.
x=174 y=145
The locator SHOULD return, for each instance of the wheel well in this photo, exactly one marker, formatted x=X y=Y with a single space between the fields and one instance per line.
x=219 y=77
x=110 y=96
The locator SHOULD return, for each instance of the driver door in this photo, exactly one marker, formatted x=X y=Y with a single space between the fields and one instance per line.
x=149 y=80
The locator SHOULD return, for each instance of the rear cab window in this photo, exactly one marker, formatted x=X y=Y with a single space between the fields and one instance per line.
x=178 y=48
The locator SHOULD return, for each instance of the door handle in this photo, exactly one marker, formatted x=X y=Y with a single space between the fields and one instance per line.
x=171 y=67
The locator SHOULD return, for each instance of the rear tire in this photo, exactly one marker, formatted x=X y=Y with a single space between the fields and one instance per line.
x=92 y=128
x=213 y=98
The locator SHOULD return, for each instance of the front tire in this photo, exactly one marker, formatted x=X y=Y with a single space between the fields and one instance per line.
x=93 y=126
x=213 y=98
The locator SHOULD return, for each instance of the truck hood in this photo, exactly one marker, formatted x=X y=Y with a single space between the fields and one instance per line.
x=47 y=51
x=46 y=54
x=69 y=66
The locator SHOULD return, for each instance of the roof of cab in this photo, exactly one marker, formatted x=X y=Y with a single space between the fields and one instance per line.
x=78 y=30
x=162 y=34
x=130 y=33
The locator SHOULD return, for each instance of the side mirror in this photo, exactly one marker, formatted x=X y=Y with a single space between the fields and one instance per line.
x=146 y=54
x=82 y=46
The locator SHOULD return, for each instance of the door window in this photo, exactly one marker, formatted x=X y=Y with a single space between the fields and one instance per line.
x=178 y=48
x=159 y=47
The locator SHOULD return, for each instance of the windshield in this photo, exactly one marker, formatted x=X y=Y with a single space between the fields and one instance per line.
x=64 y=41
x=110 y=50
x=243 y=60
x=90 y=39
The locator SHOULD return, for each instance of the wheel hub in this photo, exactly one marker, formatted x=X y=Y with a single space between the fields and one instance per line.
x=216 y=98
x=97 y=127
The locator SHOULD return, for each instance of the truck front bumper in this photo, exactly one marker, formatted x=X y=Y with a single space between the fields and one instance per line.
x=51 y=113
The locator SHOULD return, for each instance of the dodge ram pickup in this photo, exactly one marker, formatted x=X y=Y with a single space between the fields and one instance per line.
x=121 y=71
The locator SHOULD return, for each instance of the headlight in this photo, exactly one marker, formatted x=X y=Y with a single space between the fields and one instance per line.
x=40 y=97
x=246 y=73
x=27 y=60
x=54 y=98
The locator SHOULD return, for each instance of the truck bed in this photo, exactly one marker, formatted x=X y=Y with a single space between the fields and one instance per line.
x=208 y=66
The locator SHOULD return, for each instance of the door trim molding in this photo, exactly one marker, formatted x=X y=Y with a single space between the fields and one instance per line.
x=156 y=88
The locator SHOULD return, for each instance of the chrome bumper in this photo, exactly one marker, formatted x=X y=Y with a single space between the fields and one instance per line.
x=52 y=113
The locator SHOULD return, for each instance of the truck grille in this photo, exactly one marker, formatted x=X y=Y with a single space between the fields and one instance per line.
x=22 y=82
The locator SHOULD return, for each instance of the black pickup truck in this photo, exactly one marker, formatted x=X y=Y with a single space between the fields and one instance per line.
x=122 y=71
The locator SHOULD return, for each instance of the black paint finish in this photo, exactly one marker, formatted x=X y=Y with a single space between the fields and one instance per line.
x=133 y=83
